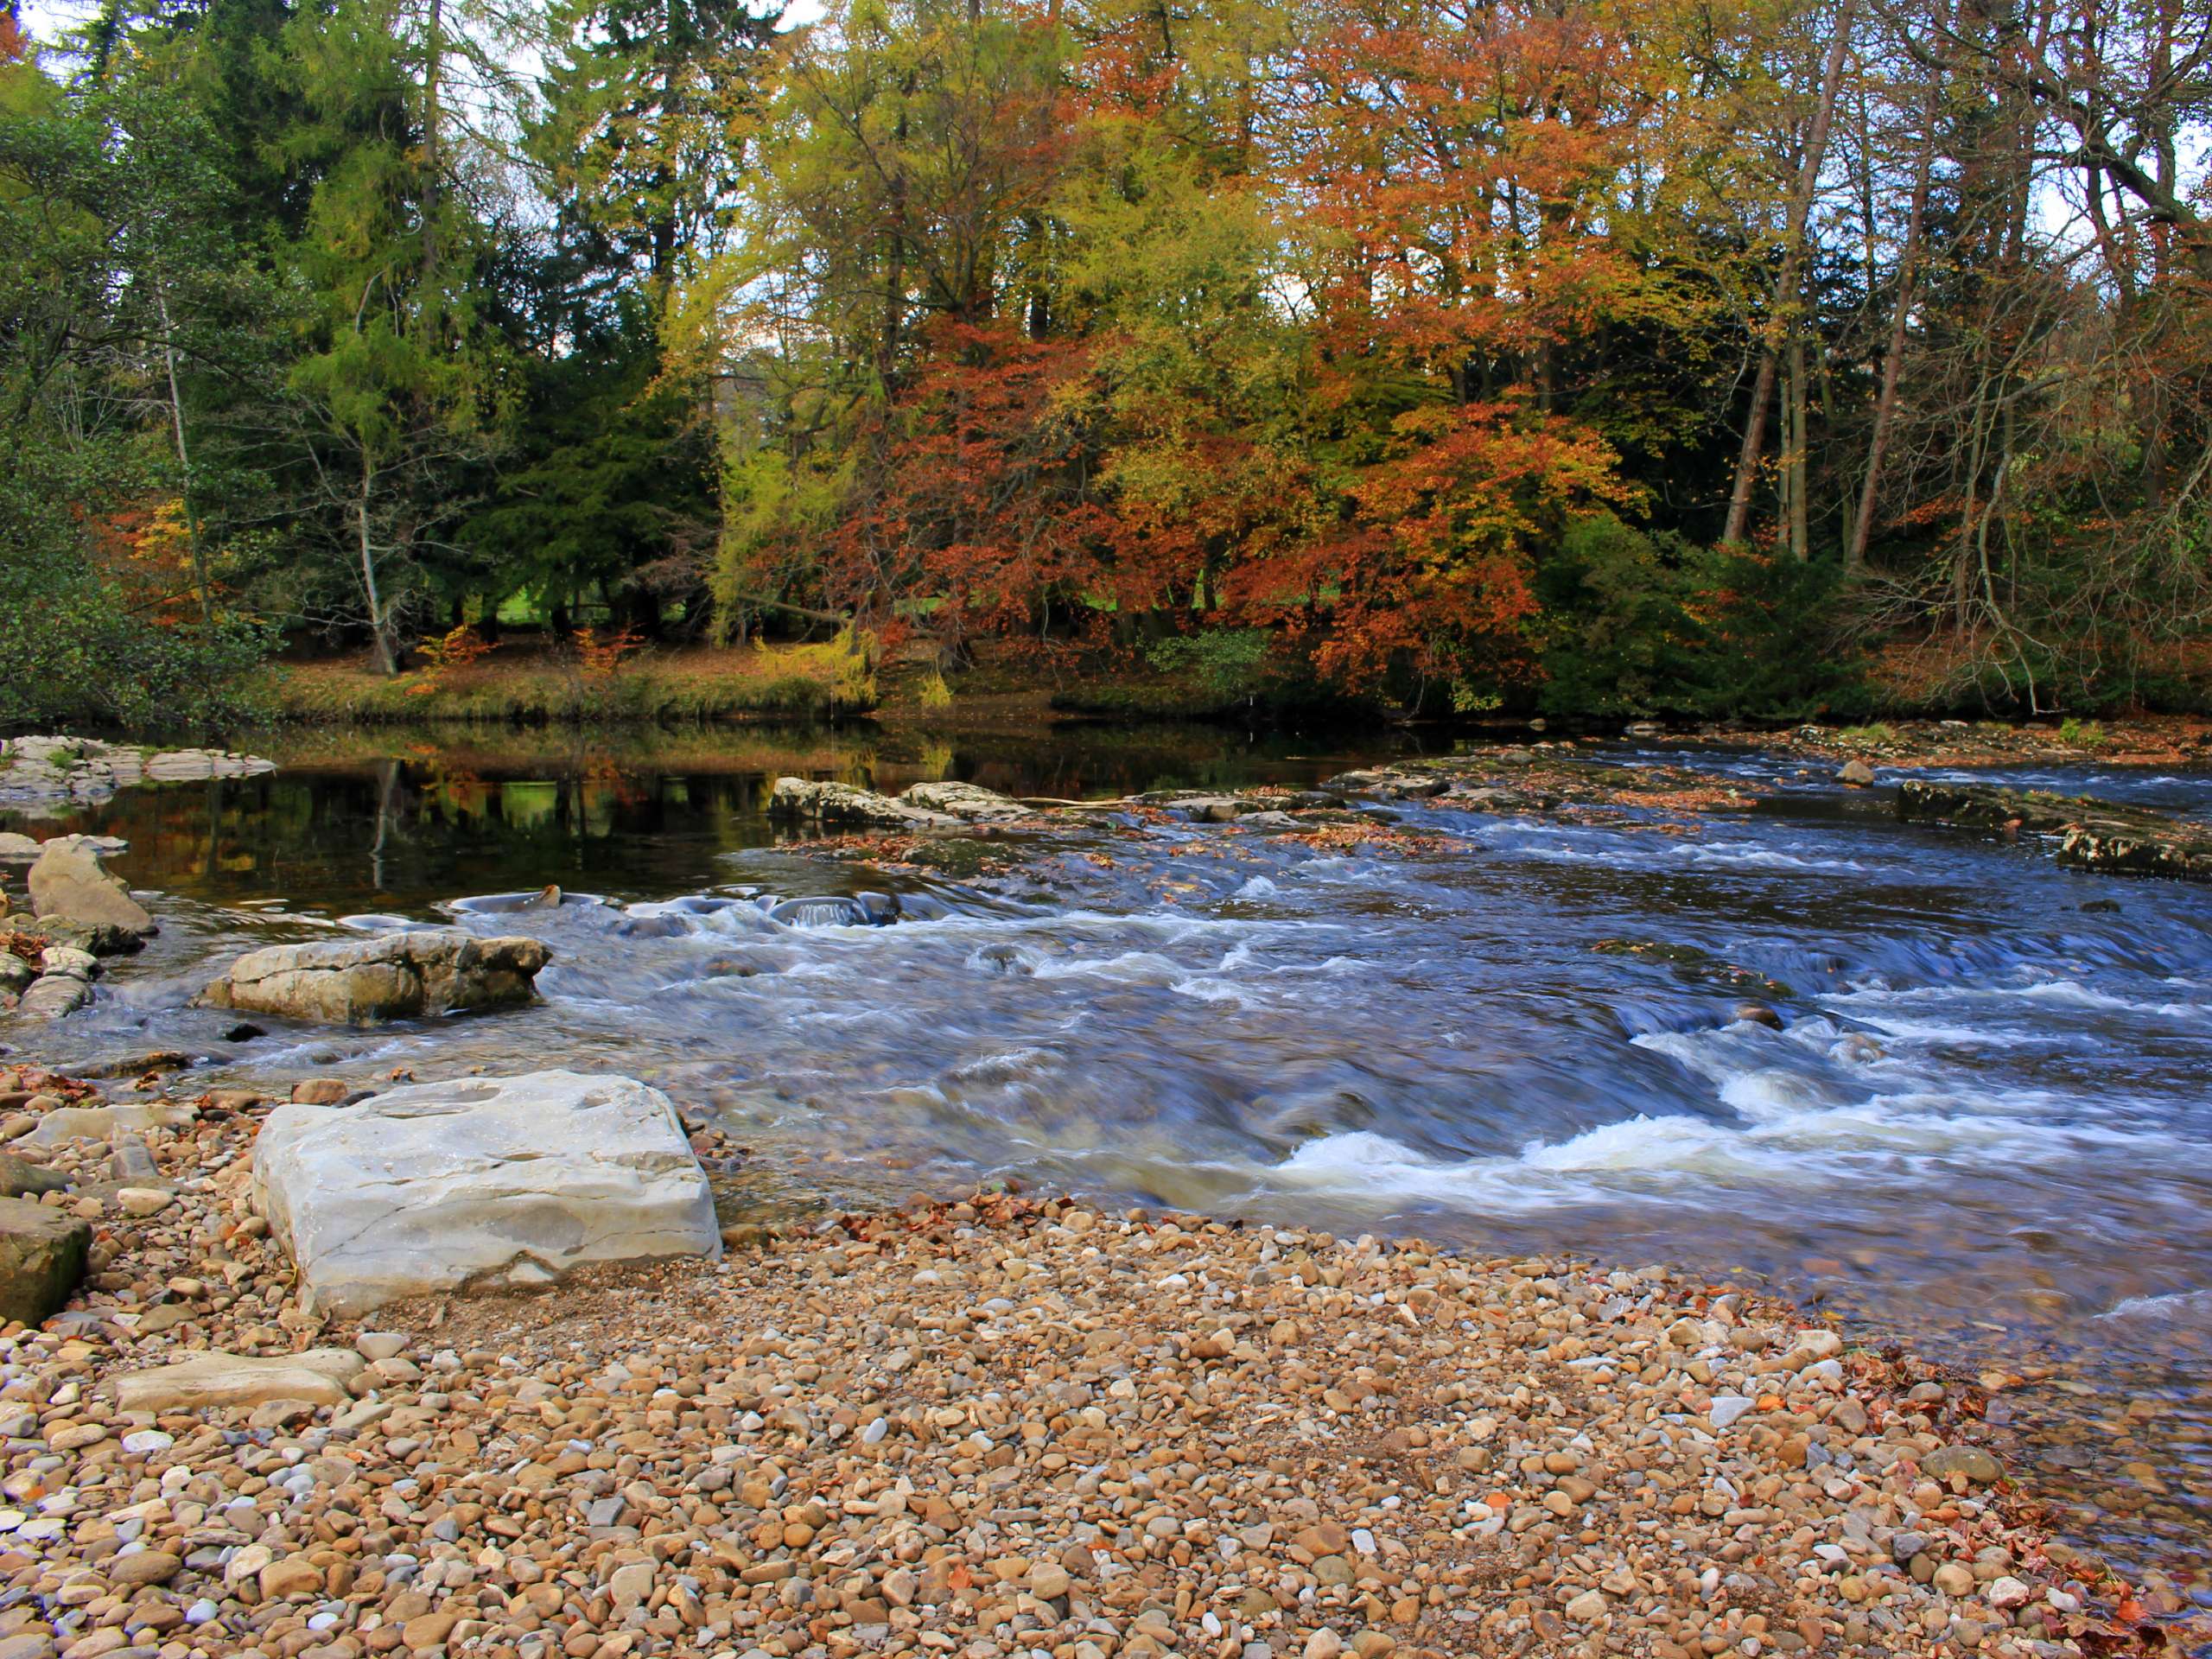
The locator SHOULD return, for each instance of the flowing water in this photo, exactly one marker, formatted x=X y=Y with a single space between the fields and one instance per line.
x=1984 y=1124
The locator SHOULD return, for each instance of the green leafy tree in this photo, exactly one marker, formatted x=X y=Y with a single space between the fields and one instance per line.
x=401 y=387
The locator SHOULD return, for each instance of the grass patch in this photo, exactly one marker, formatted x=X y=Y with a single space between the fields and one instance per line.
x=526 y=683
x=2081 y=735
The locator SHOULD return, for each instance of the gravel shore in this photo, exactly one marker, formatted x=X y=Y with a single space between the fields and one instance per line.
x=1006 y=1426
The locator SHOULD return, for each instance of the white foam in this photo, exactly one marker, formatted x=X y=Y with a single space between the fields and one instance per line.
x=2175 y=1304
x=1771 y=1094
x=1958 y=1036
x=1208 y=989
x=1666 y=1149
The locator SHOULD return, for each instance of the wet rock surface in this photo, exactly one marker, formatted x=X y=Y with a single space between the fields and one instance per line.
x=2096 y=834
x=393 y=977
x=2165 y=741
x=999 y=1427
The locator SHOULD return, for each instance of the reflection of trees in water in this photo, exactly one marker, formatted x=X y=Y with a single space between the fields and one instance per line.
x=374 y=819
x=387 y=793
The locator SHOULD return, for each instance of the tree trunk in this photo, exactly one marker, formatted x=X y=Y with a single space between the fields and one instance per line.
x=380 y=638
x=1783 y=315
x=1886 y=403
x=193 y=543
x=1793 y=460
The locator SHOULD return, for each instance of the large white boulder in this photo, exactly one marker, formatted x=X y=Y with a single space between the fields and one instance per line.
x=481 y=1183
x=399 y=975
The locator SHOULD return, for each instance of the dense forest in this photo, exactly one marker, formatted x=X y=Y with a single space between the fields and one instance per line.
x=1598 y=357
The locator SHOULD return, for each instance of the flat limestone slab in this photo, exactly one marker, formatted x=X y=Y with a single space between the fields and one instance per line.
x=103 y=1123
x=317 y=1376
x=480 y=1182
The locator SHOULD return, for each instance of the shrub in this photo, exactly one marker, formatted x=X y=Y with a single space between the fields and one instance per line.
x=1643 y=625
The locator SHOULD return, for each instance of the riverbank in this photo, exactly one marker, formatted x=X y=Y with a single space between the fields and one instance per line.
x=990 y=1427
x=520 y=682
x=2136 y=741
x=523 y=681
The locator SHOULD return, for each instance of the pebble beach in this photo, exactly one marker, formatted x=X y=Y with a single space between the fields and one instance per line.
x=1002 y=1425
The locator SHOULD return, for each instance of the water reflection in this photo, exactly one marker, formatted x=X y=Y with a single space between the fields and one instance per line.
x=393 y=820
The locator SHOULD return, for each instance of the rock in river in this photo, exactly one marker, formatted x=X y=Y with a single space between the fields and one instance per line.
x=481 y=1182
x=43 y=1252
x=970 y=801
x=832 y=803
x=394 y=977
x=863 y=910
x=2110 y=837
x=925 y=806
x=70 y=882
x=49 y=774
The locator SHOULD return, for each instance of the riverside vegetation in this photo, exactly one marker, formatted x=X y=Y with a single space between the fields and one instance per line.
x=1836 y=355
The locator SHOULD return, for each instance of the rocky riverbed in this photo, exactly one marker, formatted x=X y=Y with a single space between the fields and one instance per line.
x=997 y=1427
x=2158 y=741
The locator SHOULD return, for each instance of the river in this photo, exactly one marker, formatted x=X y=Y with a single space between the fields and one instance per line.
x=1982 y=1126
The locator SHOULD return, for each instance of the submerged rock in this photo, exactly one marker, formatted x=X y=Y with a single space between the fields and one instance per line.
x=863 y=910
x=393 y=977
x=43 y=1253
x=548 y=896
x=480 y=1182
